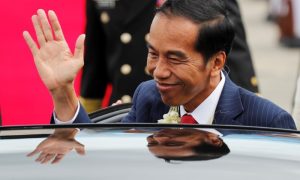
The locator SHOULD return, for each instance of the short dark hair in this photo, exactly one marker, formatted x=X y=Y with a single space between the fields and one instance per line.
x=216 y=32
x=203 y=151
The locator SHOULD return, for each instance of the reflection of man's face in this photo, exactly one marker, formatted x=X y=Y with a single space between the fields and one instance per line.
x=180 y=142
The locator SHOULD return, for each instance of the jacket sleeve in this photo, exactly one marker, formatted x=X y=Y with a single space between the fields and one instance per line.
x=82 y=117
x=131 y=117
x=284 y=120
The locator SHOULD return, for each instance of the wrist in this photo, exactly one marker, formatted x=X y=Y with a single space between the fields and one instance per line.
x=62 y=91
x=65 y=102
x=65 y=133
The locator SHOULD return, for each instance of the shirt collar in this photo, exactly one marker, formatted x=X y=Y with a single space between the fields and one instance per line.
x=204 y=113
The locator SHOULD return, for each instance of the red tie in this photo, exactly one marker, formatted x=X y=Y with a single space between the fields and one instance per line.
x=188 y=119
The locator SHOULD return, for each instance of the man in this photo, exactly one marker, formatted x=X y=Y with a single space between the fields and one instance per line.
x=288 y=22
x=188 y=44
x=112 y=34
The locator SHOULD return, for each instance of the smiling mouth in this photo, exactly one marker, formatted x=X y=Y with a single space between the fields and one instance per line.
x=163 y=87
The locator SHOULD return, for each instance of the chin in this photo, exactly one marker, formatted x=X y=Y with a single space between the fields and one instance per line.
x=170 y=101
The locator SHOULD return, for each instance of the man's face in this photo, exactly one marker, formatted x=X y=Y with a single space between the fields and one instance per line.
x=180 y=71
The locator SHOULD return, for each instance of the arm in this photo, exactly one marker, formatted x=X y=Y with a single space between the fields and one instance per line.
x=131 y=116
x=56 y=64
x=283 y=120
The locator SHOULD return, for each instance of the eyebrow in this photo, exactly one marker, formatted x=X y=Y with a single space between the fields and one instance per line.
x=150 y=46
x=179 y=54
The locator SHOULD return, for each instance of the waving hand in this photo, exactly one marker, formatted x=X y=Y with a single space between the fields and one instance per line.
x=55 y=62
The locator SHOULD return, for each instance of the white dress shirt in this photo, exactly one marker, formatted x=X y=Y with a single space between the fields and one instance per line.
x=57 y=121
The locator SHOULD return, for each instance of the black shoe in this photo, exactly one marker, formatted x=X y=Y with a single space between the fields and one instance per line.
x=290 y=42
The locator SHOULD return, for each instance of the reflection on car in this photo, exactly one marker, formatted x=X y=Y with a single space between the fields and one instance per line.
x=169 y=144
x=147 y=151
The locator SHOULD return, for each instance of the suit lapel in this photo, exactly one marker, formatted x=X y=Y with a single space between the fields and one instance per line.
x=229 y=105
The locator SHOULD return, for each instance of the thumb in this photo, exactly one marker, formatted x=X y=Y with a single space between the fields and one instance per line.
x=79 y=47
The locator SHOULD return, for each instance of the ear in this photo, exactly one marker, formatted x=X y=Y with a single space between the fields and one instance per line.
x=217 y=63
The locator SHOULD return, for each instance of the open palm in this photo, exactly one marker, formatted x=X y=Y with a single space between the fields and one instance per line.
x=55 y=62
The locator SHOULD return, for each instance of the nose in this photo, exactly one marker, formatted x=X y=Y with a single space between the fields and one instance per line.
x=161 y=69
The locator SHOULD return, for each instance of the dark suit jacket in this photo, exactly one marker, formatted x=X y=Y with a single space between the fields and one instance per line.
x=236 y=106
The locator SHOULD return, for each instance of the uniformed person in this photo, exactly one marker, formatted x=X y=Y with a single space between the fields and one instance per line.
x=239 y=61
x=288 y=22
x=116 y=34
x=116 y=51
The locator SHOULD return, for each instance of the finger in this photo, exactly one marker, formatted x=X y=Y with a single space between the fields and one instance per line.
x=33 y=153
x=59 y=35
x=41 y=157
x=47 y=158
x=45 y=25
x=79 y=47
x=38 y=30
x=58 y=158
x=118 y=102
x=80 y=150
x=30 y=42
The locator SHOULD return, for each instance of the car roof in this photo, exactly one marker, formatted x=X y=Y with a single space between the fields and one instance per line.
x=114 y=152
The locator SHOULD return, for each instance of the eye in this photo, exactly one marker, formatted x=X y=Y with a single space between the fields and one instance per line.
x=152 y=55
x=175 y=60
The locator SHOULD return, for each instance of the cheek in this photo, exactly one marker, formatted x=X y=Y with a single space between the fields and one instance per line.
x=195 y=81
x=199 y=81
x=191 y=75
x=150 y=67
